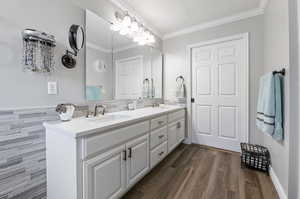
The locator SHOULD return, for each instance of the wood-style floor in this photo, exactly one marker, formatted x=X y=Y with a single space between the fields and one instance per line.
x=198 y=172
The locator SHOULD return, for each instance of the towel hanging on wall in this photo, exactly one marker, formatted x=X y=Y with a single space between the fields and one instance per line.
x=269 y=117
x=180 y=90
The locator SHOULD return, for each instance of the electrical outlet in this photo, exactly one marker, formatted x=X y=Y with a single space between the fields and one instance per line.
x=52 y=88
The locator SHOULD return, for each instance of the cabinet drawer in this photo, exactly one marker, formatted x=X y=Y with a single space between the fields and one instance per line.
x=158 y=136
x=158 y=154
x=159 y=122
x=176 y=116
x=98 y=143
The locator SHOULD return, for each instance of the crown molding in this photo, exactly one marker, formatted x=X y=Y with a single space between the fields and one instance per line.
x=96 y=47
x=123 y=5
x=99 y=48
x=211 y=24
x=125 y=48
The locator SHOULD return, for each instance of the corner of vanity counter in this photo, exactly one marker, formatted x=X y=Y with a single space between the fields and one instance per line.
x=56 y=127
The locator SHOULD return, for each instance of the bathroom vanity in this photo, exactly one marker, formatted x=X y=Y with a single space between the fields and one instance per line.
x=103 y=157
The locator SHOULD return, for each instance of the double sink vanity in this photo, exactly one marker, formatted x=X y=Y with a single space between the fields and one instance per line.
x=103 y=157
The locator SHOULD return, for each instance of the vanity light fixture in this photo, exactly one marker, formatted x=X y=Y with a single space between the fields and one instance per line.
x=130 y=27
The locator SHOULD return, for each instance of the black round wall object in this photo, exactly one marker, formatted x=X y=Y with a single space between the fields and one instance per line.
x=76 y=41
x=76 y=37
x=68 y=61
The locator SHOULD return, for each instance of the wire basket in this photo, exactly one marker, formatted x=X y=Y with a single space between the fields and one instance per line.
x=255 y=157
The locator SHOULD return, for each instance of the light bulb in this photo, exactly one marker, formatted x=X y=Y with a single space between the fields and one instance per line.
x=126 y=21
x=134 y=26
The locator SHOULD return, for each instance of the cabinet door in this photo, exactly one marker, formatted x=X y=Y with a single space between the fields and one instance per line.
x=104 y=175
x=176 y=134
x=172 y=136
x=138 y=159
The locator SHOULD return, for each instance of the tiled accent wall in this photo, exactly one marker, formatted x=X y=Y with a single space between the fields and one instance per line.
x=22 y=153
x=22 y=148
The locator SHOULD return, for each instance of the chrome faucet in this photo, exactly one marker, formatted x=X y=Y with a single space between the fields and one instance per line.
x=96 y=110
x=155 y=105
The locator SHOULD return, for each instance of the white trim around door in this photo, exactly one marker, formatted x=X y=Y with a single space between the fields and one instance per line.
x=244 y=91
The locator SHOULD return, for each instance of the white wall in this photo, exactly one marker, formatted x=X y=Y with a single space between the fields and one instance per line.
x=276 y=56
x=175 y=58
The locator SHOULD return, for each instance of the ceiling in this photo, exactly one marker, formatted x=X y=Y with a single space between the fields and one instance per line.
x=169 y=16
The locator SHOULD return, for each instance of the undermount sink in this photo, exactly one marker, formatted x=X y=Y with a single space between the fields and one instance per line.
x=163 y=106
x=107 y=118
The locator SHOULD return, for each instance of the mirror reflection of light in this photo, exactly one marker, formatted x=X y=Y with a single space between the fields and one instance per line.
x=131 y=28
x=99 y=66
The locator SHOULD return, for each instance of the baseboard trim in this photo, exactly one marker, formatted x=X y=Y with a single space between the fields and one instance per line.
x=277 y=184
x=186 y=141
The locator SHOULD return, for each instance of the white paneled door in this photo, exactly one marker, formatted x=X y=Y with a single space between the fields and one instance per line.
x=129 y=78
x=220 y=92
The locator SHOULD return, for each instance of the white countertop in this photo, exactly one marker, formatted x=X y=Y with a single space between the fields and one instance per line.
x=84 y=126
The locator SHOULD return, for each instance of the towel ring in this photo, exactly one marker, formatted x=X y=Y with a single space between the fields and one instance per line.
x=146 y=80
x=180 y=77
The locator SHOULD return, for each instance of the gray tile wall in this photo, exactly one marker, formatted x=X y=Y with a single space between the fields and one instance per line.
x=22 y=148
x=22 y=153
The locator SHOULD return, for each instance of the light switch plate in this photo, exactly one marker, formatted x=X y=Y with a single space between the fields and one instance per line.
x=52 y=88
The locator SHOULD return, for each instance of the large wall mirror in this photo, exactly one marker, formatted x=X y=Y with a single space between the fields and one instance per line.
x=118 y=68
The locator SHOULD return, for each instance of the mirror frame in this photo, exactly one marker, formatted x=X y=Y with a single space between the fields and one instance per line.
x=73 y=37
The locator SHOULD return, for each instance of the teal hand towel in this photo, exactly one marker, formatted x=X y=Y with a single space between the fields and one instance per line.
x=278 y=132
x=265 y=119
x=269 y=117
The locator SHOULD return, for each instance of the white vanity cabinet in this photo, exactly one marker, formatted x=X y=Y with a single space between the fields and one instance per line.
x=105 y=162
